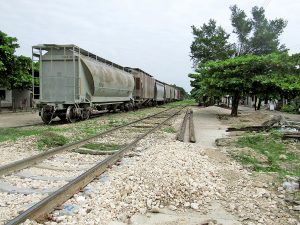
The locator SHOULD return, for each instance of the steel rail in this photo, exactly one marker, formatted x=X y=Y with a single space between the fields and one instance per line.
x=24 y=163
x=40 y=211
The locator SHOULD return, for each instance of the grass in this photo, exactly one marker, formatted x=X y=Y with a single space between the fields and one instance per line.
x=15 y=133
x=102 y=146
x=271 y=146
x=50 y=139
x=170 y=130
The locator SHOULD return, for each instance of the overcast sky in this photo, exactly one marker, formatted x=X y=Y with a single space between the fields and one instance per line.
x=154 y=35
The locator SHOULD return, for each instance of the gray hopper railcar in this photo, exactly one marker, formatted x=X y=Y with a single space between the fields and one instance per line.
x=160 y=94
x=144 y=88
x=73 y=80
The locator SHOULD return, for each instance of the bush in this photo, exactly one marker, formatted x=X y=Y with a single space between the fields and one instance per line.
x=289 y=108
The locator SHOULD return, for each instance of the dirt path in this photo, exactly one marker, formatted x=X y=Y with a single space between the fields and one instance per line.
x=19 y=119
x=207 y=126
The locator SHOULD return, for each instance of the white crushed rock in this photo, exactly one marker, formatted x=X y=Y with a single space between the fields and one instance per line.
x=16 y=203
x=167 y=173
x=11 y=151
x=18 y=182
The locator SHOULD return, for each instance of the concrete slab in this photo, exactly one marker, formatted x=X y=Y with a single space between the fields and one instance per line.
x=216 y=214
x=207 y=126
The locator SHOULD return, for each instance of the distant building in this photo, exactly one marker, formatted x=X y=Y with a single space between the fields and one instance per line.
x=5 y=98
x=15 y=99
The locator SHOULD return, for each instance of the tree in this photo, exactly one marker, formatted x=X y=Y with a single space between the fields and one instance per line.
x=14 y=70
x=237 y=76
x=210 y=43
x=256 y=35
x=242 y=28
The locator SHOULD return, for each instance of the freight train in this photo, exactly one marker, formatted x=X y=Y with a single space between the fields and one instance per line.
x=72 y=82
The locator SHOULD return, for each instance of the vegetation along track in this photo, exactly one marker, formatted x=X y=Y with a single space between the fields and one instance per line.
x=78 y=169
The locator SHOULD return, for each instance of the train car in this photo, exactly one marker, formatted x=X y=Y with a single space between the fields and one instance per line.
x=177 y=94
x=73 y=80
x=172 y=95
x=167 y=93
x=159 y=92
x=144 y=88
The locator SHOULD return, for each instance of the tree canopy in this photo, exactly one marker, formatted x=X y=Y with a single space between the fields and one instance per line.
x=256 y=64
x=15 y=71
x=210 y=43
x=246 y=75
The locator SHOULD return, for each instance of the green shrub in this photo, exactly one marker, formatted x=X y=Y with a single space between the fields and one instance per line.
x=289 y=108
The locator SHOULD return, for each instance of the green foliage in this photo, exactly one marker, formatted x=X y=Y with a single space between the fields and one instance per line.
x=242 y=28
x=13 y=134
x=236 y=70
x=210 y=43
x=245 y=75
x=170 y=130
x=265 y=38
x=256 y=35
x=50 y=139
x=15 y=71
x=272 y=147
x=102 y=146
x=289 y=109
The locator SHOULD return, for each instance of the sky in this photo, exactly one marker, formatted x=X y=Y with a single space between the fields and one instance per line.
x=153 y=35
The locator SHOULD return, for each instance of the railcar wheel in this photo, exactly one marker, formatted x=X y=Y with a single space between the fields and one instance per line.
x=130 y=106
x=122 y=108
x=71 y=114
x=126 y=107
x=86 y=113
x=46 y=116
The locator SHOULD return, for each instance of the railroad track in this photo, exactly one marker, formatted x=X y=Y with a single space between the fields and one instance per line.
x=45 y=170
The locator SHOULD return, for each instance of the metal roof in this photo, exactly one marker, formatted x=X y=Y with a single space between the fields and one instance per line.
x=80 y=51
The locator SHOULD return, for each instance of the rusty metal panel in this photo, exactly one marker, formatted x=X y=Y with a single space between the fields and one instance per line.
x=148 y=87
x=144 y=84
x=108 y=82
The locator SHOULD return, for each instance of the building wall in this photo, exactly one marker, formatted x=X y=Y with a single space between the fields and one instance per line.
x=21 y=99
x=7 y=101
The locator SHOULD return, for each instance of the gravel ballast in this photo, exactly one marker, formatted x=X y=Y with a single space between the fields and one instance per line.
x=164 y=174
x=167 y=174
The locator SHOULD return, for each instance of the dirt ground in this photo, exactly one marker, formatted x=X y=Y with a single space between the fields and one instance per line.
x=9 y=119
